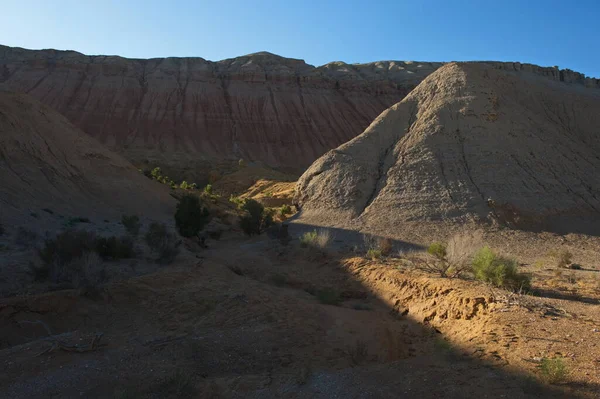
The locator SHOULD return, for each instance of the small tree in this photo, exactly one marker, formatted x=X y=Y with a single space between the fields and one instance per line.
x=191 y=216
x=256 y=219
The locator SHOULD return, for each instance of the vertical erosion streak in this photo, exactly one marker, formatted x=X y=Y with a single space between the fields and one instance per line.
x=229 y=109
x=385 y=163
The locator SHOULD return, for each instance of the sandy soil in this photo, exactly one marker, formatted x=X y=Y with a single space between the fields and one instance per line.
x=246 y=318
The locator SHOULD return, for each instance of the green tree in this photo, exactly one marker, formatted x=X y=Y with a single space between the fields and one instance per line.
x=256 y=218
x=191 y=216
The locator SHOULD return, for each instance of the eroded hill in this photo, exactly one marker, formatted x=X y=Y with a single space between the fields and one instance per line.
x=48 y=168
x=474 y=142
x=182 y=111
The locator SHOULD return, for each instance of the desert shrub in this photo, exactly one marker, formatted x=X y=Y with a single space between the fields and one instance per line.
x=453 y=258
x=554 y=371
x=438 y=250
x=308 y=238
x=191 y=216
x=84 y=271
x=499 y=271
x=208 y=189
x=115 y=248
x=184 y=185
x=162 y=242
x=256 y=219
x=66 y=246
x=563 y=258
x=328 y=297
x=132 y=224
x=315 y=239
x=242 y=163
x=374 y=254
x=87 y=271
x=385 y=246
x=285 y=210
x=239 y=202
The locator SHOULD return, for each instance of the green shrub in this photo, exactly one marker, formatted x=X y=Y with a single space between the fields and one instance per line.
x=132 y=224
x=554 y=371
x=315 y=239
x=156 y=173
x=208 y=189
x=114 y=248
x=438 y=250
x=191 y=216
x=285 y=210
x=499 y=271
x=256 y=219
x=184 y=185
x=307 y=239
x=374 y=254
x=239 y=203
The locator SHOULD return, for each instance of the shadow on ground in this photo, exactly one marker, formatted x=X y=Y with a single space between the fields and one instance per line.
x=251 y=319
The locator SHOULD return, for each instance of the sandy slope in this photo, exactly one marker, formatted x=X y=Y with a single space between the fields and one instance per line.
x=47 y=163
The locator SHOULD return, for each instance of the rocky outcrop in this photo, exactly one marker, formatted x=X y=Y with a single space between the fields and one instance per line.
x=51 y=171
x=474 y=142
x=178 y=111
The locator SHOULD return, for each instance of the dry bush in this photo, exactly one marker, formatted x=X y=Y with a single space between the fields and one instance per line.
x=454 y=258
x=385 y=246
x=316 y=239
x=563 y=257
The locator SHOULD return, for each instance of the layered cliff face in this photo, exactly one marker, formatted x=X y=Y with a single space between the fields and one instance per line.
x=179 y=111
x=474 y=142
x=48 y=166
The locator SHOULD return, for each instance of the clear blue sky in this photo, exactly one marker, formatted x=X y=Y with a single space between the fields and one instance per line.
x=546 y=32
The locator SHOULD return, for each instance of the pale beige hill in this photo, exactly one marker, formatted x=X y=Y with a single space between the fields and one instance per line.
x=48 y=164
x=473 y=142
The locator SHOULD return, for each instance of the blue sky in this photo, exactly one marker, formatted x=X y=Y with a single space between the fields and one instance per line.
x=541 y=32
